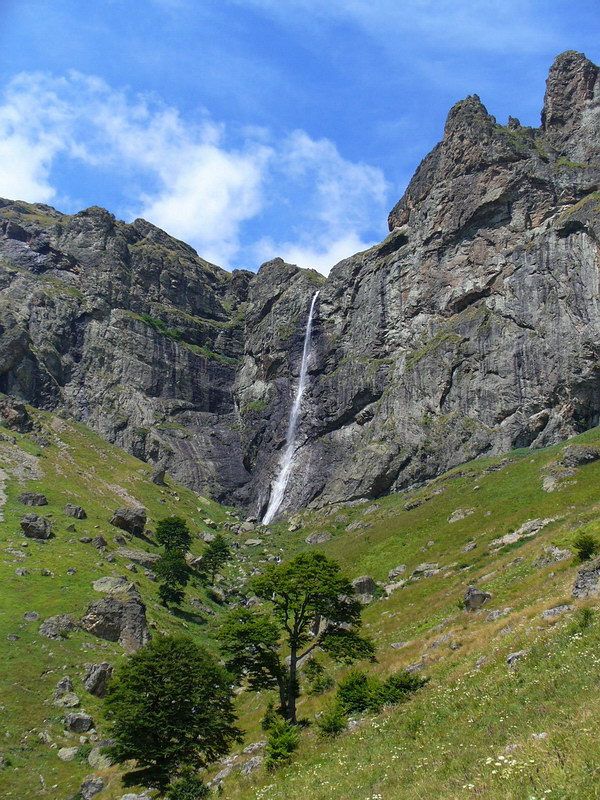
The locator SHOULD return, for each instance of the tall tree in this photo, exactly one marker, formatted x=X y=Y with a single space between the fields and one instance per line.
x=306 y=590
x=174 y=575
x=170 y=709
x=172 y=533
x=216 y=555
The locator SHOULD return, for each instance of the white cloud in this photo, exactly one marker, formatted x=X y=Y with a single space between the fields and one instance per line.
x=187 y=177
x=321 y=255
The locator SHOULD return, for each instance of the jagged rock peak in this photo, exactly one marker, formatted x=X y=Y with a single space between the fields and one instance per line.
x=572 y=94
x=468 y=116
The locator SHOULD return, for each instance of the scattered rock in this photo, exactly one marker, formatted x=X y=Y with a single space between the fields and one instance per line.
x=254 y=747
x=121 y=620
x=424 y=570
x=418 y=501
x=12 y=637
x=67 y=753
x=251 y=765
x=31 y=616
x=469 y=546
x=35 y=527
x=575 y=455
x=76 y=512
x=65 y=684
x=474 y=598
x=527 y=530
x=21 y=572
x=85 y=539
x=587 y=582
x=253 y=542
x=97 y=678
x=32 y=499
x=359 y=526
x=398 y=645
x=543 y=735
x=556 y=611
x=513 y=658
x=112 y=585
x=132 y=520
x=207 y=537
x=552 y=555
x=392 y=587
x=396 y=572
x=90 y=787
x=461 y=513
x=99 y=542
x=78 y=722
x=147 y=560
x=58 y=627
x=318 y=538
x=499 y=612
x=67 y=700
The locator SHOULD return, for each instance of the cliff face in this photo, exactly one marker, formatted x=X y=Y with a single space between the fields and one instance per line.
x=473 y=328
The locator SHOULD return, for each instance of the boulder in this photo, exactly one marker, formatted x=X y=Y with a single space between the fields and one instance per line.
x=141 y=557
x=392 y=587
x=575 y=455
x=32 y=499
x=587 y=582
x=318 y=538
x=90 y=787
x=556 y=611
x=14 y=415
x=158 y=476
x=461 y=513
x=35 y=527
x=132 y=520
x=31 y=616
x=67 y=700
x=396 y=572
x=121 y=620
x=250 y=766
x=78 y=722
x=67 y=753
x=112 y=585
x=99 y=542
x=552 y=555
x=58 y=627
x=513 y=658
x=76 y=512
x=364 y=588
x=97 y=678
x=474 y=598
x=424 y=570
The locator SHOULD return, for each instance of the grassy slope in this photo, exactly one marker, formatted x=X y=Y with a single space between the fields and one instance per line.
x=447 y=741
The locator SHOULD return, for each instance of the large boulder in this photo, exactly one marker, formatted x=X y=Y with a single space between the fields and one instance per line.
x=318 y=538
x=117 y=619
x=132 y=520
x=76 y=512
x=112 y=585
x=36 y=527
x=78 y=722
x=14 y=415
x=474 y=598
x=97 y=678
x=587 y=582
x=32 y=499
x=90 y=787
x=576 y=455
x=365 y=588
x=58 y=627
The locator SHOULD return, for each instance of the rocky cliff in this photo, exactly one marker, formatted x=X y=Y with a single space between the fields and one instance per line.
x=472 y=329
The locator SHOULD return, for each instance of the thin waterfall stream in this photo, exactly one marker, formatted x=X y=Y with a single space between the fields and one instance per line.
x=287 y=460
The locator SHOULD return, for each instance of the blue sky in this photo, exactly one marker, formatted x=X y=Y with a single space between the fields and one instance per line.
x=256 y=128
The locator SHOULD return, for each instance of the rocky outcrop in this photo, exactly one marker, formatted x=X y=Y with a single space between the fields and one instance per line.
x=132 y=520
x=587 y=583
x=473 y=328
x=36 y=527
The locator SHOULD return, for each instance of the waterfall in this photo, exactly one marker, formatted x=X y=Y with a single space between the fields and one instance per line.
x=285 y=467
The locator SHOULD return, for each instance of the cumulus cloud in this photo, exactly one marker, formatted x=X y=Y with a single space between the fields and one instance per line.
x=194 y=178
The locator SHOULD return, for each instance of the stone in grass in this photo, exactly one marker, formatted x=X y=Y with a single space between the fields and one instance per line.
x=97 y=677
x=90 y=787
x=132 y=520
x=58 y=627
x=556 y=611
x=32 y=499
x=77 y=512
x=587 y=583
x=67 y=753
x=67 y=700
x=21 y=572
x=112 y=585
x=36 y=527
x=364 y=588
x=78 y=722
x=31 y=616
x=65 y=684
x=474 y=598
x=121 y=620
x=512 y=659
x=396 y=572
x=318 y=538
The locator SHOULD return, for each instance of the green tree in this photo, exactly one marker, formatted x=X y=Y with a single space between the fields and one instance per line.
x=216 y=555
x=174 y=575
x=586 y=545
x=308 y=590
x=170 y=709
x=172 y=533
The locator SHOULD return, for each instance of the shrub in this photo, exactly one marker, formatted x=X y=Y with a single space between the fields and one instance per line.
x=282 y=741
x=332 y=721
x=270 y=717
x=354 y=693
x=359 y=692
x=396 y=688
x=583 y=619
x=188 y=787
x=586 y=546
x=318 y=680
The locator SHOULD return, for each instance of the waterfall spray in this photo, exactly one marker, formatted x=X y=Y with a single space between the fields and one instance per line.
x=285 y=467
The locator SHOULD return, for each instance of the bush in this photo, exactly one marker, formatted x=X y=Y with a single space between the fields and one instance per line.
x=586 y=546
x=582 y=621
x=318 y=680
x=359 y=692
x=332 y=721
x=271 y=715
x=172 y=533
x=282 y=741
x=188 y=787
